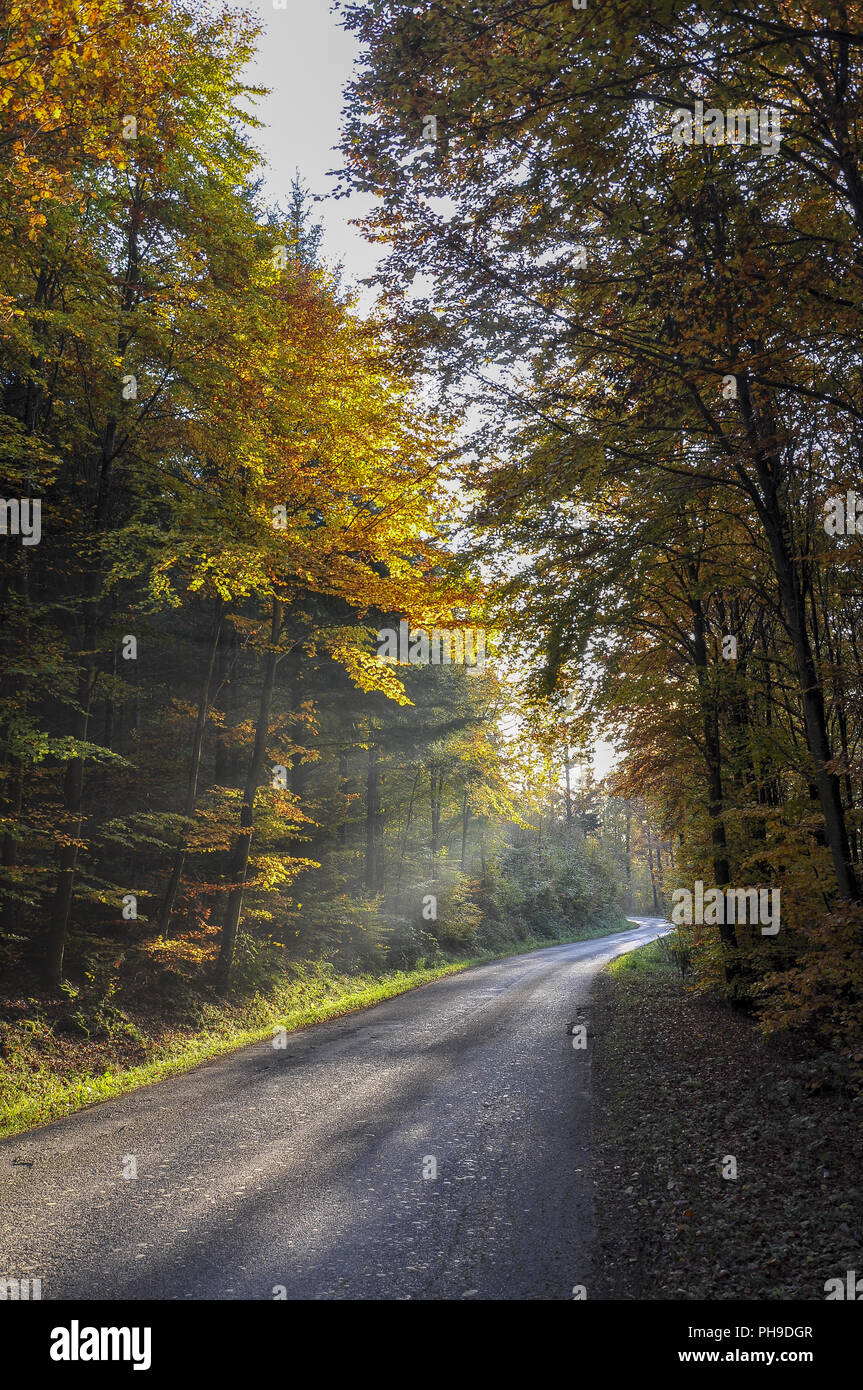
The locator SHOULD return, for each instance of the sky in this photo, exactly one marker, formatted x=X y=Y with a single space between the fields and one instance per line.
x=305 y=58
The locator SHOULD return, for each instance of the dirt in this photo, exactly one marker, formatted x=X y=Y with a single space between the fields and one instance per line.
x=683 y=1085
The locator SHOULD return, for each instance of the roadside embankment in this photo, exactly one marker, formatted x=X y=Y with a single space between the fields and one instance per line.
x=725 y=1167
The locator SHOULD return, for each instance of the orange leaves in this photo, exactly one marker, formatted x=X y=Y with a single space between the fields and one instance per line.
x=822 y=989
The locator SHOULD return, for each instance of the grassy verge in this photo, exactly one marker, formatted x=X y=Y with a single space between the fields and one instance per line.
x=45 y=1074
x=654 y=958
x=683 y=1085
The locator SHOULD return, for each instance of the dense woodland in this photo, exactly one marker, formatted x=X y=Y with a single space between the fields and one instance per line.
x=608 y=400
x=207 y=774
x=665 y=339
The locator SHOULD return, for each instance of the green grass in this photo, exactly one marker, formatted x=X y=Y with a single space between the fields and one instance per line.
x=41 y=1096
x=655 y=958
x=34 y=1094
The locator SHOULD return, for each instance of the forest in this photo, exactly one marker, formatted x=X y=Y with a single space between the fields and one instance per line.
x=606 y=410
x=223 y=484
x=431 y=699
x=642 y=235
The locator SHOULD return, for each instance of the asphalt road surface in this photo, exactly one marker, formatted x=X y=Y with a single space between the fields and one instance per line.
x=299 y=1173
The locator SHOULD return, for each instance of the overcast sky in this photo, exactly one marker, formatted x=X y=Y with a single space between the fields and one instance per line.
x=306 y=58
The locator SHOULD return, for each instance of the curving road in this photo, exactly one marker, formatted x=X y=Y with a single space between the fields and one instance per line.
x=302 y=1170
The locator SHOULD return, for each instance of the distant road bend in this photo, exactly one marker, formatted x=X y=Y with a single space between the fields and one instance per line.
x=302 y=1170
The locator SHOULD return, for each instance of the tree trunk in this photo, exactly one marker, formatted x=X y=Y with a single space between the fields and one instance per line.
x=167 y=906
x=73 y=800
x=568 y=791
x=405 y=837
x=716 y=800
x=787 y=571
x=372 y=812
x=343 y=789
x=649 y=840
x=436 y=790
x=242 y=848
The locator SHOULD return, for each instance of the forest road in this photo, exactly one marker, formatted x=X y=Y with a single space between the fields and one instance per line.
x=436 y=1146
